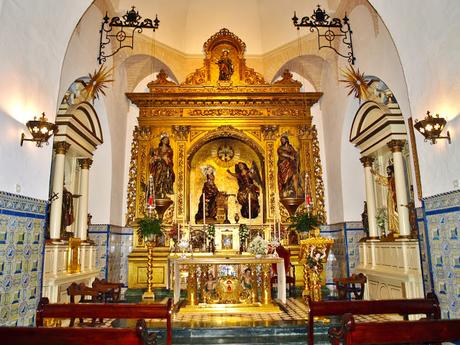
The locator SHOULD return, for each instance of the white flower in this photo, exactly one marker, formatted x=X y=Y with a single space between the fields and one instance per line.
x=258 y=246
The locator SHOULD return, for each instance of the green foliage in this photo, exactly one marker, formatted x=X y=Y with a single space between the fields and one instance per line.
x=150 y=226
x=304 y=222
x=243 y=232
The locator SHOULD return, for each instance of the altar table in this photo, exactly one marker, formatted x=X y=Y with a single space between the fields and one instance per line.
x=265 y=262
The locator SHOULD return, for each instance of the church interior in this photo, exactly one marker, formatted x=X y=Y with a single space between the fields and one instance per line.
x=242 y=178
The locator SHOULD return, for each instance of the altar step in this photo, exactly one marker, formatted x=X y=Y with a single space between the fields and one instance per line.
x=279 y=334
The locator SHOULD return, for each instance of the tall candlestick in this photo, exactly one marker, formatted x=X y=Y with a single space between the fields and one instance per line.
x=178 y=232
x=307 y=194
x=204 y=209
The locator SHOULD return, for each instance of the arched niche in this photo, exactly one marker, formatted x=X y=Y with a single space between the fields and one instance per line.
x=206 y=150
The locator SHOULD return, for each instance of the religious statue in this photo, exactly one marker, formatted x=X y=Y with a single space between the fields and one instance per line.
x=67 y=217
x=211 y=194
x=365 y=219
x=161 y=168
x=246 y=279
x=289 y=181
x=315 y=259
x=392 y=209
x=225 y=66
x=248 y=191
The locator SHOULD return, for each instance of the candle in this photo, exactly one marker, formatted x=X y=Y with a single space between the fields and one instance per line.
x=204 y=209
x=249 y=198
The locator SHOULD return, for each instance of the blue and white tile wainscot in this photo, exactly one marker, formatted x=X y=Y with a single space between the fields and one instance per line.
x=22 y=229
x=442 y=230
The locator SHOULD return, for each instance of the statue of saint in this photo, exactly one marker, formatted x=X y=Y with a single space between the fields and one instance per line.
x=225 y=66
x=211 y=193
x=248 y=191
x=67 y=217
x=392 y=206
x=289 y=181
x=365 y=219
x=161 y=168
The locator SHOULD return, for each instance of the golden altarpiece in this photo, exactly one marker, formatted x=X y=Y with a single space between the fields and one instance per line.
x=216 y=118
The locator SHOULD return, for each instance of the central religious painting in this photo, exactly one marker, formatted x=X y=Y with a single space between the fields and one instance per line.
x=223 y=147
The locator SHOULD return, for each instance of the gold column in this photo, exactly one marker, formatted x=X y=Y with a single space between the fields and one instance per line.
x=181 y=134
x=266 y=290
x=270 y=133
x=192 y=297
x=310 y=162
x=149 y=294
x=255 y=288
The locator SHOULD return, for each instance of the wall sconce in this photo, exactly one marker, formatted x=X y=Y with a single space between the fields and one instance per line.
x=123 y=37
x=328 y=30
x=40 y=129
x=431 y=127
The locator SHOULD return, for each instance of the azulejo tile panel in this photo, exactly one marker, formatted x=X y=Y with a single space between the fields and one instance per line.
x=442 y=228
x=336 y=261
x=354 y=232
x=99 y=234
x=22 y=224
x=120 y=247
x=113 y=245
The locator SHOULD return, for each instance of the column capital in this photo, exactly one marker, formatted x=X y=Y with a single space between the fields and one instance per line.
x=61 y=147
x=396 y=145
x=85 y=163
x=367 y=161
x=181 y=132
x=269 y=132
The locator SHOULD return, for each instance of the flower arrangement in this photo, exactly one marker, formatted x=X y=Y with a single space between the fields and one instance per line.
x=243 y=232
x=258 y=246
x=304 y=222
x=149 y=227
x=381 y=219
x=211 y=232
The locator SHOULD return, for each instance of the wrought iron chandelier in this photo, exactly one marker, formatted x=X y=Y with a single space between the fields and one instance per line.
x=122 y=30
x=431 y=127
x=328 y=30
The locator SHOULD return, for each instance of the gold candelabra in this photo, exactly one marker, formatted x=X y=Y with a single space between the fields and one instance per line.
x=149 y=294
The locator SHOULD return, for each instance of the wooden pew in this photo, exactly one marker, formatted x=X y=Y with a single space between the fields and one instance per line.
x=77 y=336
x=110 y=291
x=109 y=310
x=353 y=285
x=394 y=332
x=429 y=307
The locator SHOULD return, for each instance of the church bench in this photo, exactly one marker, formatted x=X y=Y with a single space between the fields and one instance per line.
x=110 y=291
x=107 y=310
x=77 y=336
x=429 y=307
x=353 y=285
x=394 y=332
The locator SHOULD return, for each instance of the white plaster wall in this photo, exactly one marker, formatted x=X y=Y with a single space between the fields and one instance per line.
x=100 y=173
x=33 y=40
x=353 y=186
x=429 y=48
